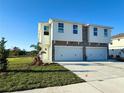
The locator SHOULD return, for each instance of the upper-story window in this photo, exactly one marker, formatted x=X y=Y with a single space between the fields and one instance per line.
x=105 y=32
x=75 y=29
x=61 y=27
x=46 y=30
x=95 y=31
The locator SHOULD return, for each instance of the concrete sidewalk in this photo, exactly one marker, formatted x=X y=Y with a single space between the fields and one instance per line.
x=74 y=88
x=107 y=86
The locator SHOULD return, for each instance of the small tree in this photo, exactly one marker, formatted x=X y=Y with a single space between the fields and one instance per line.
x=3 y=55
x=36 y=50
x=37 y=60
x=36 y=47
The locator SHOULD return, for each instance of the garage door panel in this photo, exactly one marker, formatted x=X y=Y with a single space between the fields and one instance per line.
x=97 y=53
x=64 y=53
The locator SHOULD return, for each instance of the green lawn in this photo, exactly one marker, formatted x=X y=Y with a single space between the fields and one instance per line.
x=22 y=76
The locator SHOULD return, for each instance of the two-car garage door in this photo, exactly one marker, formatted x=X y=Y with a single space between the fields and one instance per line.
x=66 y=53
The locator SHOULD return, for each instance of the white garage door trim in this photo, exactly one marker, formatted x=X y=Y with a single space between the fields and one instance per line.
x=68 y=53
x=96 y=53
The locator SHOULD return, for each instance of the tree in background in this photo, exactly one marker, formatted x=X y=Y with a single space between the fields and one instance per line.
x=16 y=52
x=3 y=55
x=22 y=52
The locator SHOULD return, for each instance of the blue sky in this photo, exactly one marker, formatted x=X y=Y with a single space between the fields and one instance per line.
x=19 y=18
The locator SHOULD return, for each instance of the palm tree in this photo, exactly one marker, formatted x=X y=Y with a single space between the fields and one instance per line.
x=36 y=54
x=36 y=47
x=36 y=50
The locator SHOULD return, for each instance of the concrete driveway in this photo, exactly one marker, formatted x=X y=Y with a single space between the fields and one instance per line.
x=106 y=77
x=96 y=71
x=101 y=77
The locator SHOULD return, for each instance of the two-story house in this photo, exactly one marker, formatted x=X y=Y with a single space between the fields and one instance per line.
x=71 y=41
x=116 y=47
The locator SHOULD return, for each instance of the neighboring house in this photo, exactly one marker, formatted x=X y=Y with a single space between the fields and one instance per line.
x=116 y=47
x=72 y=41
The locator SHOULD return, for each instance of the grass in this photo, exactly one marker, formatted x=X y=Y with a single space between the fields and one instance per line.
x=22 y=76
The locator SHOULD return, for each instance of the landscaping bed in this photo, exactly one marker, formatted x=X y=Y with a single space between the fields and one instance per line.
x=22 y=76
